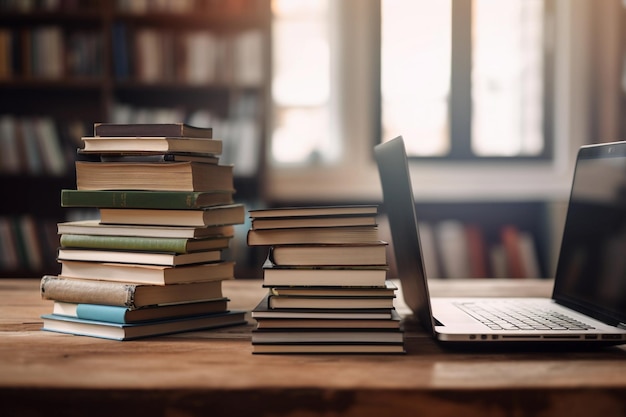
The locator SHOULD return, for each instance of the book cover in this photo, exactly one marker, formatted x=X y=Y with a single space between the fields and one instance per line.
x=101 y=144
x=166 y=176
x=137 y=257
x=129 y=331
x=309 y=336
x=147 y=274
x=311 y=291
x=178 y=200
x=146 y=244
x=207 y=216
x=126 y=294
x=122 y=315
x=313 y=235
x=94 y=227
x=314 y=323
x=151 y=129
x=345 y=348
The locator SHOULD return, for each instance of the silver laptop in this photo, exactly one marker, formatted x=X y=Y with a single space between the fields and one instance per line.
x=588 y=304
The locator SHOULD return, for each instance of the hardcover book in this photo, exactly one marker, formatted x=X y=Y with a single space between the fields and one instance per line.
x=151 y=129
x=313 y=235
x=209 y=216
x=177 y=200
x=147 y=274
x=166 y=176
x=347 y=254
x=94 y=227
x=136 y=257
x=348 y=210
x=99 y=144
x=145 y=244
x=119 y=314
x=126 y=294
x=274 y=276
x=117 y=331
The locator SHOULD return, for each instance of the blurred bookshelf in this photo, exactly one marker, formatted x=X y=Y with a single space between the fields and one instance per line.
x=65 y=65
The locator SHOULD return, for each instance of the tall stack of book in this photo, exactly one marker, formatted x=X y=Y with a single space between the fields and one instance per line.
x=153 y=263
x=326 y=274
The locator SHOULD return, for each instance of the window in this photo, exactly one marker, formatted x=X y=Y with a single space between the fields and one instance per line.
x=463 y=79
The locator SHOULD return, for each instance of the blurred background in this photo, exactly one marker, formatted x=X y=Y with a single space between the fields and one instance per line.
x=492 y=97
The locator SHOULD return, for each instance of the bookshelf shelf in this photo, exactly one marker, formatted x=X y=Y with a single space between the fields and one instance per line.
x=98 y=74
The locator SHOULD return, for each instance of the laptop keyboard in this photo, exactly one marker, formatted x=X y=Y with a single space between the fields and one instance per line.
x=507 y=316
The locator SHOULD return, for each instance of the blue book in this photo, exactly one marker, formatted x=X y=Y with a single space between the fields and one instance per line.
x=117 y=331
x=120 y=314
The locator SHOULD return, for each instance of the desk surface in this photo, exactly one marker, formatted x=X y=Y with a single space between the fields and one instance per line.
x=194 y=373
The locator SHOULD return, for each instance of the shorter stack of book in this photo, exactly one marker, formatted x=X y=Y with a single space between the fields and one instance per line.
x=326 y=274
x=153 y=263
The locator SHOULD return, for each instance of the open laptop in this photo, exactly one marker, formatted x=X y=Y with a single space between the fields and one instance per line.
x=588 y=304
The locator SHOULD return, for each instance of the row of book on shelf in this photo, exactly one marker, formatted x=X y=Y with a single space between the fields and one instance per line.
x=453 y=249
x=140 y=54
x=154 y=261
x=43 y=146
x=26 y=242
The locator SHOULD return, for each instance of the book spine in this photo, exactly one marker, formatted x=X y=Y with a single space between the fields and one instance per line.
x=125 y=199
x=124 y=243
x=91 y=292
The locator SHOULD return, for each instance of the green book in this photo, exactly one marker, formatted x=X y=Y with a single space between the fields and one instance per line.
x=149 y=244
x=145 y=199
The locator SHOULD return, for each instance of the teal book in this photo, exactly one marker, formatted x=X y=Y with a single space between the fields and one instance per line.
x=180 y=200
x=116 y=331
x=147 y=244
x=123 y=315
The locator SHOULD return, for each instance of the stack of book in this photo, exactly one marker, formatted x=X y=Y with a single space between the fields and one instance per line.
x=153 y=263
x=326 y=274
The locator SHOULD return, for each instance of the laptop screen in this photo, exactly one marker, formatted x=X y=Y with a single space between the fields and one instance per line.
x=591 y=272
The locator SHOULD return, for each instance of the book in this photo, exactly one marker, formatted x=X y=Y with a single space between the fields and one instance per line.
x=310 y=336
x=313 y=235
x=148 y=244
x=166 y=176
x=346 y=254
x=99 y=144
x=360 y=348
x=263 y=311
x=94 y=227
x=153 y=157
x=126 y=294
x=178 y=200
x=128 y=331
x=312 y=323
x=119 y=314
x=208 y=216
x=136 y=257
x=147 y=274
x=151 y=129
x=348 y=210
x=278 y=301
x=387 y=291
x=274 y=276
x=326 y=221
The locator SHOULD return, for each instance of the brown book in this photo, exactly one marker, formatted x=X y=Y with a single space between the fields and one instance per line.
x=347 y=254
x=209 y=216
x=323 y=221
x=94 y=227
x=313 y=235
x=126 y=294
x=313 y=211
x=151 y=129
x=147 y=274
x=372 y=276
x=174 y=176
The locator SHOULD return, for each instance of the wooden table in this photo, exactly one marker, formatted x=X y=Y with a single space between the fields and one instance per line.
x=206 y=372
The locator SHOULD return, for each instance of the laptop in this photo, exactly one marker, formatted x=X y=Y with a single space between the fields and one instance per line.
x=588 y=303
